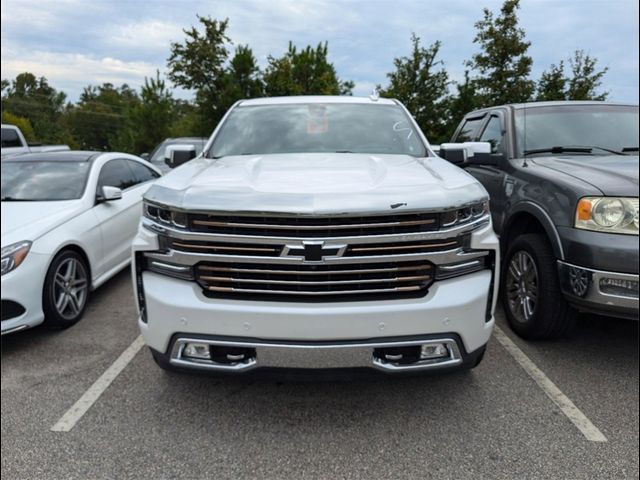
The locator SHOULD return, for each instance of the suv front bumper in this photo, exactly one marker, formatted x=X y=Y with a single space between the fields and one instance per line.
x=602 y=292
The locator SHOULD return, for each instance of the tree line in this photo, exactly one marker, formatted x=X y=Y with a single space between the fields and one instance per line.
x=110 y=117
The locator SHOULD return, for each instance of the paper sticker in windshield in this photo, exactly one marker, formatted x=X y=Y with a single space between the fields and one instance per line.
x=317 y=121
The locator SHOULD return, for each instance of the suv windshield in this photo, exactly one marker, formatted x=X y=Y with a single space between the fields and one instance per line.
x=601 y=128
x=43 y=181
x=317 y=128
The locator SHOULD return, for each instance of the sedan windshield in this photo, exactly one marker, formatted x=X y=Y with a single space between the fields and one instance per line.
x=317 y=128
x=577 y=129
x=43 y=181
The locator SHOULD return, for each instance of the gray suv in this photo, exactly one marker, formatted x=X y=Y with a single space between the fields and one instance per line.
x=563 y=182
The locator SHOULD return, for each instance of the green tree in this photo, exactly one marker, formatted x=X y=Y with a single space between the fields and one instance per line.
x=421 y=83
x=34 y=99
x=242 y=78
x=552 y=84
x=502 y=66
x=22 y=123
x=464 y=101
x=304 y=72
x=97 y=120
x=582 y=84
x=200 y=64
x=146 y=122
x=585 y=79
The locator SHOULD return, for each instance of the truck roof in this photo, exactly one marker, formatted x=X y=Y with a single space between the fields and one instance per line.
x=305 y=99
x=555 y=103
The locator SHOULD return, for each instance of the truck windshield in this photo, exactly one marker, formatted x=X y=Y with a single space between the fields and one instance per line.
x=43 y=181
x=317 y=128
x=577 y=129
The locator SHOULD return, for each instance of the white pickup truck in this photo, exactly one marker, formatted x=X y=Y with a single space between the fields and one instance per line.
x=14 y=143
x=316 y=232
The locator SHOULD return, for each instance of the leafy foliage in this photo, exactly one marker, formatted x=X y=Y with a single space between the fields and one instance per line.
x=304 y=72
x=421 y=83
x=502 y=66
x=583 y=83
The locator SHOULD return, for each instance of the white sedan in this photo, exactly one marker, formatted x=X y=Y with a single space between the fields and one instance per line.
x=68 y=219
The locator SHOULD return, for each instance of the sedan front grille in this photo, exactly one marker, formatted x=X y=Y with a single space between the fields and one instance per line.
x=324 y=282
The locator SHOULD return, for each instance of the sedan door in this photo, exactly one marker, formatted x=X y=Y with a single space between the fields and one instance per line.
x=118 y=219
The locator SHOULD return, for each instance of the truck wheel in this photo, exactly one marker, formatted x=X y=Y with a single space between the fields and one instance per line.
x=531 y=296
x=66 y=290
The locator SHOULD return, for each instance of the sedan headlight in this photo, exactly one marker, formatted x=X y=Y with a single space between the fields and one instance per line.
x=608 y=214
x=13 y=255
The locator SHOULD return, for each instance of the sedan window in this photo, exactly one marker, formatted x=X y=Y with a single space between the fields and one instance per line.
x=116 y=173
x=43 y=181
x=142 y=172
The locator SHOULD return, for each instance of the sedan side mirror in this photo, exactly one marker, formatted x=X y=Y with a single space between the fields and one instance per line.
x=108 y=194
x=176 y=155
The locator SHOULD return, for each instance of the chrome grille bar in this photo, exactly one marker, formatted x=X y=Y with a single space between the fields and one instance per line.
x=421 y=278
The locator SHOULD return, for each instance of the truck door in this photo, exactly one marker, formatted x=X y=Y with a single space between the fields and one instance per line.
x=492 y=177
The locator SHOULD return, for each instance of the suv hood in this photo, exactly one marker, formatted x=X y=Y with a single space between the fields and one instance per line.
x=611 y=174
x=30 y=220
x=316 y=183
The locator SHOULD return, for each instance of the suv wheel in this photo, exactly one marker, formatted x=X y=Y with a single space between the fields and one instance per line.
x=66 y=290
x=531 y=296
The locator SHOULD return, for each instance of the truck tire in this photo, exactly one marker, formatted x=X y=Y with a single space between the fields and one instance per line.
x=66 y=290
x=531 y=295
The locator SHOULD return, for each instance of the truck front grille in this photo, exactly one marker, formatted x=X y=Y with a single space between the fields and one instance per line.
x=314 y=226
x=324 y=282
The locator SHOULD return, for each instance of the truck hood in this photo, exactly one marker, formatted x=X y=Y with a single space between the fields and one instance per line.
x=316 y=183
x=611 y=174
x=30 y=220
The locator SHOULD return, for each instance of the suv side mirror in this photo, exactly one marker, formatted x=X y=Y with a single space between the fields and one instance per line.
x=176 y=155
x=108 y=194
x=467 y=153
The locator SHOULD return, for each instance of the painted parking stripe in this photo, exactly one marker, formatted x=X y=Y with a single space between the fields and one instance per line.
x=564 y=403
x=75 y=413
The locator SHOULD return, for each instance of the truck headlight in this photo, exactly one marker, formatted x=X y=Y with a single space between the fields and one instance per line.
x=608 y=214
x=164 y=215
x=13 y=255
x=468 y=214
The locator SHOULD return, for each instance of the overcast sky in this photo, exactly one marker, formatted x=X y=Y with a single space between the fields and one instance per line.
x=75 y=43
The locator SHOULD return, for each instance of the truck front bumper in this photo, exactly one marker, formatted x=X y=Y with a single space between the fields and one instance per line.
x=453 y=313
x=598 y=291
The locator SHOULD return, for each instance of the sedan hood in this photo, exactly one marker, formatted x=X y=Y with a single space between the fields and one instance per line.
x=30 y=220
x=316 y=183
x=612 y=174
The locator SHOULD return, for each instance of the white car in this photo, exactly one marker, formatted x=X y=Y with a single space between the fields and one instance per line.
x=68 y=220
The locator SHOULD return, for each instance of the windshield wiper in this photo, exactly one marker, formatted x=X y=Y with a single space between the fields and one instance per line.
x=577 y=149
x=559 y=150
x=630 y=149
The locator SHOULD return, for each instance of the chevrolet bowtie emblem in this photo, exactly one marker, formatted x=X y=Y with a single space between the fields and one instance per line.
x=313 y=251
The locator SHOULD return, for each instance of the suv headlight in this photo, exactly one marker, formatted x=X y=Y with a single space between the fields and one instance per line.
x=13 y=255
x=608 y=214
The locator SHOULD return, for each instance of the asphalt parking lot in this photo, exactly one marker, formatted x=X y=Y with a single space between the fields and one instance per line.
x=492 y=422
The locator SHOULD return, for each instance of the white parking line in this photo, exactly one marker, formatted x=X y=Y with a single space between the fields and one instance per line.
x=564 y=403
x=75 y=413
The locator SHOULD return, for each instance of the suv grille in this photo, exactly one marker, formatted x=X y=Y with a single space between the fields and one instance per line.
x=304 y=281
x=315 y=227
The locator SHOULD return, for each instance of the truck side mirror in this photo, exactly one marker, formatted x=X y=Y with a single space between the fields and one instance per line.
x=144 y=156
x=466 y=153
x=176 y=155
